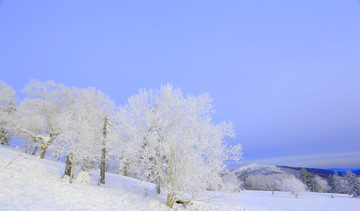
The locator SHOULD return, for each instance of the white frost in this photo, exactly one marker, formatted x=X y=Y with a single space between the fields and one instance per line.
x=27 y=183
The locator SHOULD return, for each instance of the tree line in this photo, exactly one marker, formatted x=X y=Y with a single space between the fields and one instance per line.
x=158 y=135
x=348 y=183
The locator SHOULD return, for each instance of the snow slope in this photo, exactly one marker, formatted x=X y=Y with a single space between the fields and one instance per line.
x=258 y=169
x=32 y=184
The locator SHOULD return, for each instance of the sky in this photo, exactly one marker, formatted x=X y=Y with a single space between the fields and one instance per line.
x=286 y=73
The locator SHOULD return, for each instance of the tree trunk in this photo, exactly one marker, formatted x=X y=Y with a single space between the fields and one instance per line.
x=72 y=172
x=43 y=149
x=58 y=156
x=46 y=144
x=67 y=166
x=35 y=150
x=171 y=197
x=158 y=186
x=103 y=156
x=126 y=169
x=26 y=146
x=102 y=168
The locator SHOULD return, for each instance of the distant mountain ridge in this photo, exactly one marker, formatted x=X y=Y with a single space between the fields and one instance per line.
x=258 y=169
x=355 y=171
x=255 y=169
x=321 y=172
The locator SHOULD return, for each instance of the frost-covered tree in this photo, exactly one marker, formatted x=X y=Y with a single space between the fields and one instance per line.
x=353 y=184
x=309 y=180
x=83 y=130
x=246 y=184
x=322 y=184
x=173 y=140
x=7 y=110
x=293 y=185
x=337 y=183
x=331 y=182
x=259 y=182
x=270 y=182
x=41 y=113
x=230 y=182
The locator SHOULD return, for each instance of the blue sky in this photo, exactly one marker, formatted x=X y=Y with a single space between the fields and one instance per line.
x=286 y=73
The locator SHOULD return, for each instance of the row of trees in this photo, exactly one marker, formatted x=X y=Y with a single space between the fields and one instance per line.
x=158 y=136
x=273 y=182
x=349 y=183
x=314 y=183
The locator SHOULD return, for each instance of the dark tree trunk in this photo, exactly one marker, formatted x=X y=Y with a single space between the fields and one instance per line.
x=35 y=150
x=126 y=169
x=102 y=168
x=103 y=156
x=158 y=186
x=68 y=166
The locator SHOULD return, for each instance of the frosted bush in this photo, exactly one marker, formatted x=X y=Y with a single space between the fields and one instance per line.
x=294 y=185
x=323 y=185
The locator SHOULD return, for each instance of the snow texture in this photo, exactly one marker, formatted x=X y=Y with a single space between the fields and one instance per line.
x=83 y=177
x=28 y=183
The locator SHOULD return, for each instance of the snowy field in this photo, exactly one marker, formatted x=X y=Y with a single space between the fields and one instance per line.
x=28 y=183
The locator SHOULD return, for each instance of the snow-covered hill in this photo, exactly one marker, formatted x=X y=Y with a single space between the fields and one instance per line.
x=254 y=168
x=27 y=183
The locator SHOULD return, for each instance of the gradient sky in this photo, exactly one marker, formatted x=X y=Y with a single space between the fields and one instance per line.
x=286 y=73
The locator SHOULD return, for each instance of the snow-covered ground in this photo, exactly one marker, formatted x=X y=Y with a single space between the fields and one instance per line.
x=32 y=184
